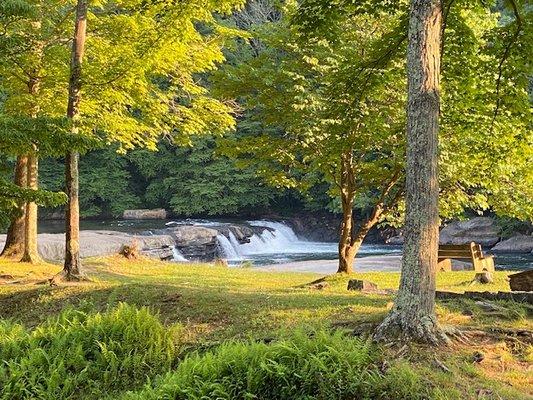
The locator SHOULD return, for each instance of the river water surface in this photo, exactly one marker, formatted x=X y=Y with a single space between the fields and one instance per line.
x=275 y=245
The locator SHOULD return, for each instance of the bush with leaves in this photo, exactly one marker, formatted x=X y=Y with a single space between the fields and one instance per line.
x=79 y=355
x=303 y=366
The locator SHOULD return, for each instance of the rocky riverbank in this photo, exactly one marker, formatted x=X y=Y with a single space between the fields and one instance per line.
x=195 y=243
x=99 y=243
x=482 y=230
x=197 y=240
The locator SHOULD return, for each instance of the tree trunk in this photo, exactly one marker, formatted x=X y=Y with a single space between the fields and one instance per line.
x=347 y=183
x=31 y=253
x=72 y=269
x=347 y=251
x=413 y=316
x=349 y=247
x=14 y=246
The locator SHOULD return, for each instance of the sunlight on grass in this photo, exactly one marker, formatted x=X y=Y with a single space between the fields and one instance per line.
x=215 y=304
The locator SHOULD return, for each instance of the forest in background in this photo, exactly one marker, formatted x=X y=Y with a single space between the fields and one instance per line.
x=207 y=178
x=259 y=107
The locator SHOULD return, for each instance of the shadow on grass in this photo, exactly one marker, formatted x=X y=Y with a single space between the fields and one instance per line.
x=219 y=307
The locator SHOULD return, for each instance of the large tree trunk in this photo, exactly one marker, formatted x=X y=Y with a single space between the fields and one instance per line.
x=31 y=253
x=413 y=316
x=347 y=186
x=350 y=245
x=14 y=246
x=72 y=269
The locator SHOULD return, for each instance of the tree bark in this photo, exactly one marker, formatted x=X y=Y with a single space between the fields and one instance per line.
x=347 y=186
x=31 y=253
x=413 y=316
x=351 y=238
x=14 y=246
x=72 y=269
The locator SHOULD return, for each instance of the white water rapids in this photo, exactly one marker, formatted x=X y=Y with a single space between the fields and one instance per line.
x=278 y=243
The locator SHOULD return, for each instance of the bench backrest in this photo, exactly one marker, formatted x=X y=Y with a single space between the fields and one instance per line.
x=469 y=251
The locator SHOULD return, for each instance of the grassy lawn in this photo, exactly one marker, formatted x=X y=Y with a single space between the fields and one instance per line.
x=215 y=304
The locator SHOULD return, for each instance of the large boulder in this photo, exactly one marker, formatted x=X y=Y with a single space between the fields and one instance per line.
x=51 y=246
x=395 y=240
x=516 y=244
x=242 y=233
x=482 y=230
x=196 y=242
x=157 y=213
x=319 y=227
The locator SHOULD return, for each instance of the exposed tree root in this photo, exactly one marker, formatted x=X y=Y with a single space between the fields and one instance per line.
x=65 y=276
x=31 y=258
x=395 y=328
x=13 y=252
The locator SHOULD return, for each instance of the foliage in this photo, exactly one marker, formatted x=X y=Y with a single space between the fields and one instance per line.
x=311 y=101
x=486 y=137
x=139 y=71
x=106 y=183
x=140 y=81
x=187 y=180
x=12 y=195
x=197 y=181
x=79 y=355
x=142 y=63
x=305 y=365
x=311 y=94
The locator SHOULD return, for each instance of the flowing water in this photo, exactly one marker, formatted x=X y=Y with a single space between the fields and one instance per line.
x=277 y=243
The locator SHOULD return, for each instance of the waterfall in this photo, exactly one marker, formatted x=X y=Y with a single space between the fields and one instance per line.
x=275 y=238
x=280 y=230
x=229 y=249
x=177 y=256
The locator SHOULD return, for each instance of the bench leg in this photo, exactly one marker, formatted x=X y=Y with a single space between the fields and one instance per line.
x=488 y=264
x=444 y=265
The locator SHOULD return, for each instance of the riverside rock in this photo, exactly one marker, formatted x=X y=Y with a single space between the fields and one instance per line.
x=157 y=213
x=51 y=246
x=241 y=232
x=516 y=244
x=196 y=242
x=481 y=230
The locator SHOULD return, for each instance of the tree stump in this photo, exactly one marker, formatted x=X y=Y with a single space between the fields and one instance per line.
x=483 y=277
x=361 y=285
x=130 y=251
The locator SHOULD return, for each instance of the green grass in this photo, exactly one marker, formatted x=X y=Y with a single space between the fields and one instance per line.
x=215 y=304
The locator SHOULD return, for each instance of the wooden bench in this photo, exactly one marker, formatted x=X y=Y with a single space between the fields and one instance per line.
x=471 y=252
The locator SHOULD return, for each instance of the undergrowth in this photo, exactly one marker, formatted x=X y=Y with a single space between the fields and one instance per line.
x=322 y=366
x=78 y=355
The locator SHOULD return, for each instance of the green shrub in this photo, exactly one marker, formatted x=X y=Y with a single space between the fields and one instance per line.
x=79 y=355
x=319 y=366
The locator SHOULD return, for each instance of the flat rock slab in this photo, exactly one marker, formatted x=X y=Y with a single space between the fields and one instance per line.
x=157 y=213
x=51 y=246
x=522 y=281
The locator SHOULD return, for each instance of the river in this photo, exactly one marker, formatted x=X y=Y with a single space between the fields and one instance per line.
x=276 y=245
